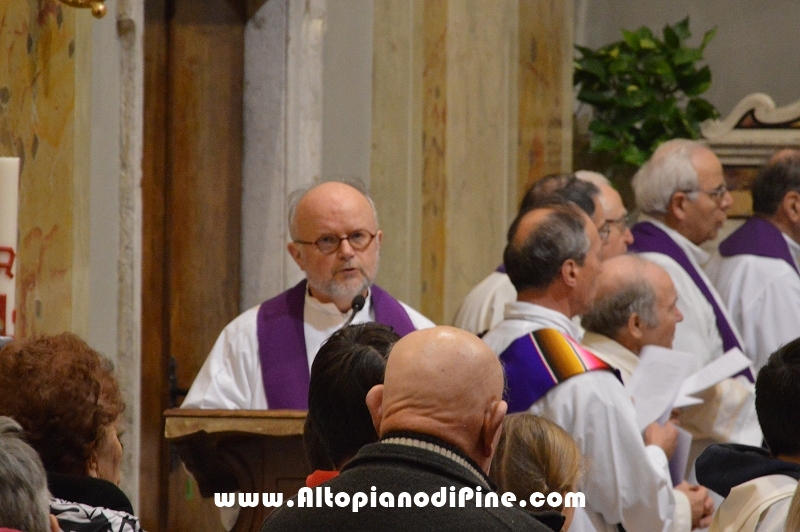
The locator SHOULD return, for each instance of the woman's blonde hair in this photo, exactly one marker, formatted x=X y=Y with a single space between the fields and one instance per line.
x=535 y=455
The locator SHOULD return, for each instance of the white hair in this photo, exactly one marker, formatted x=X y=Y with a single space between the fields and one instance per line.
x=668 y=171
x=602 y=184
x=595 y=178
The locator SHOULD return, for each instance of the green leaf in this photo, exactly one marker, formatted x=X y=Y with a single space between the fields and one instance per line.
x=682 y=29
x=633 y=155
x=586 y=52
x=683 y=56
x=647 y=44
x=697 y=83
x=602 y=143
x=595 y=97
x=671 y=38
x=594 y=66
x=707 y=38
x=631 y=39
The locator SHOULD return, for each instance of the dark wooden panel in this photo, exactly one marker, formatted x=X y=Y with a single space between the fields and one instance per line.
x=194 y=62
x=206 y=66
x=153 y=461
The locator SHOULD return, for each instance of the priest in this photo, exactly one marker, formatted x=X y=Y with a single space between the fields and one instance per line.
x=756 y=269
x=262 y=358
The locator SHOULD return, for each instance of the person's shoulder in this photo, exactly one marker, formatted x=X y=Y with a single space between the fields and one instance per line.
x=417 y=318
x=77 y=517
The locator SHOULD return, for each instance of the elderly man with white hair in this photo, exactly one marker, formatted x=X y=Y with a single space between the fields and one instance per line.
x=682 y=193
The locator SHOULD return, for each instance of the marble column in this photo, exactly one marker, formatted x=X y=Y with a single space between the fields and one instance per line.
x=471 y=103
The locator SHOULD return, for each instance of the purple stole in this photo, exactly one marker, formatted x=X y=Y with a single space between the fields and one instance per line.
x=501 y=269
x=758 y=237
x=537 y=362
x=282 y=342
x=649 y=238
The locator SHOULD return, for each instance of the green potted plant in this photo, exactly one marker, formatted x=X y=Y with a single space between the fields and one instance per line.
x=643 y=90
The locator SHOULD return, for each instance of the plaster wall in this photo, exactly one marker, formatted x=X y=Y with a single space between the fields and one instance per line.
x=752 y=51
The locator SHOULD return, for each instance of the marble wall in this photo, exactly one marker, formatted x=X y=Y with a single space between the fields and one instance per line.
x=43 y=122
x=470 y=104
x=70 y=108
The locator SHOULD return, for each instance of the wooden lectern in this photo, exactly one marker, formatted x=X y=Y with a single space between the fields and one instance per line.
x=251 y=451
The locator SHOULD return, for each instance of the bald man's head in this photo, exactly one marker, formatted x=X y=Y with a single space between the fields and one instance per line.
x=444 y=382
x=636 y=304
x=335 y=241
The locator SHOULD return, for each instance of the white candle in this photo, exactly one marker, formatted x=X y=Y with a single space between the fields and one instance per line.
x=9 y=207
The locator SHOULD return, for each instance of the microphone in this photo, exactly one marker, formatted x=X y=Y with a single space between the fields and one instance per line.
x=356 y=305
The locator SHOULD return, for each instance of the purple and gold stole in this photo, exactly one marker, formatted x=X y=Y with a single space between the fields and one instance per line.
x=758 y=237
x=282 y=342
x=539 y=361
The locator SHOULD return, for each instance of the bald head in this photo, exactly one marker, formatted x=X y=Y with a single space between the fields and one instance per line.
x=444 y=382
x=635 y=304
x=335 y=214
x=324 y=198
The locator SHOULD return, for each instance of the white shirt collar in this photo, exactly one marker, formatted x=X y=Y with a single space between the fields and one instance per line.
x=692 y=250
x=522 y=310
x=317 y=306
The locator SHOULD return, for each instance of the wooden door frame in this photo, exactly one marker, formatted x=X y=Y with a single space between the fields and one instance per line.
x=158 y=289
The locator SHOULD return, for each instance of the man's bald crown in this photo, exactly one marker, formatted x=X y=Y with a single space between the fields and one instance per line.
x=325 y=193
x=440 y=381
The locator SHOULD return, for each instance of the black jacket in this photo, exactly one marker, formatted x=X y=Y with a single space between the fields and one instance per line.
x=397 y=468
x=723 y=467
x=88 y=490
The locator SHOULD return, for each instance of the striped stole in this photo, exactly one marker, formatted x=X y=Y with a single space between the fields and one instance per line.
x=539 y=361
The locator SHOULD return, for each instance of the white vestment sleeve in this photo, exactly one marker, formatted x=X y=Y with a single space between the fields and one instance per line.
x=683 y=512
x=772 y=318
x=622 y=485
x=230 y=378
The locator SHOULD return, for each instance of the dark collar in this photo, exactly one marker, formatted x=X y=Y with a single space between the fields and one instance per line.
x=438 y=446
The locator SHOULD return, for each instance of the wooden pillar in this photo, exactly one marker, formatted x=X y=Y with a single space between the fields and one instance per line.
x=472 y=101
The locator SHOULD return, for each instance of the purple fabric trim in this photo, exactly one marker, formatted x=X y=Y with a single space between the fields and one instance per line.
x=282 y=349
x=527 y=378
x=389 y=311
x=282 y=342
x=758 y=237
x=501 y=269
x=533 y=366
x=649 y=238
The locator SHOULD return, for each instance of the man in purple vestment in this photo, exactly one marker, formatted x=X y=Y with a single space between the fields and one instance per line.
x=756 y=270
x=682 y=194
x=262 y=358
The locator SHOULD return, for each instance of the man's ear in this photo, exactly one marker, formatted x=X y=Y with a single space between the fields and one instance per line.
x=791 y=206
x=375 y=406
x=569 y=272
x=635 y=326
x=294 y=251
x=379 y=237
x=492 y=427
x=677 y=205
